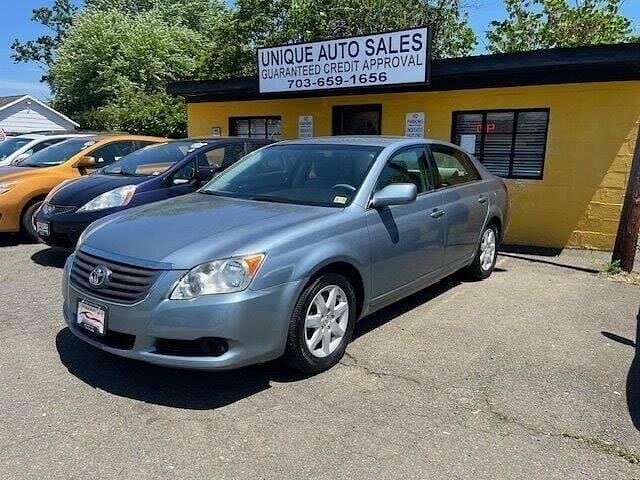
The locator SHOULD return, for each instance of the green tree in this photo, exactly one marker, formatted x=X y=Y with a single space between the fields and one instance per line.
x=536 y=24
x=110 y=61
x=58 y=20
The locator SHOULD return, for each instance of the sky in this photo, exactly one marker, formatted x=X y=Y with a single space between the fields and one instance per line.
x=15 y=22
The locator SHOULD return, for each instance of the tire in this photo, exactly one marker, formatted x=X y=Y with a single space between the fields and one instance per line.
x=27 y=222
x=300 y=353
x=482 y=267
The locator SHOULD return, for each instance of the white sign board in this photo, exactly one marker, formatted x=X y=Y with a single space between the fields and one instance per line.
x=373 y=60
x=414 y=126
x=305 y=126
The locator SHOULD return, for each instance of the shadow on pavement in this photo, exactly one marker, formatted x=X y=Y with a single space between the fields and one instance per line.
x=51 y=257
x=633 y=381
x=549 y=262
x=189 y=389
x=10 y=240
x=199 y=390
x=405 y=305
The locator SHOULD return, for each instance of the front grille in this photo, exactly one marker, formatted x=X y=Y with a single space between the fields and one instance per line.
x=50 y=209
x=126 y=284
x=112 y=339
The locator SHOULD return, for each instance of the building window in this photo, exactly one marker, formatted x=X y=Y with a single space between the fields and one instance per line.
x=256 y=127
x=357 y=119
x=509 y=143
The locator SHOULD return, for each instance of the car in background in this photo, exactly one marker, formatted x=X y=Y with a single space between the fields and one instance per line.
x=154 y=173
x=280 y=254
x=23 y=187
x=21 y=147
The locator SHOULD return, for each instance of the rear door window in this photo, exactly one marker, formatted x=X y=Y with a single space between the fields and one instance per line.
x=454 y=167
x=225 y=156
x=112 y=152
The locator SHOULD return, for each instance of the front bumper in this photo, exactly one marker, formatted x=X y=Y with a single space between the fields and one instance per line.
x=65 y=228
x=253 y=323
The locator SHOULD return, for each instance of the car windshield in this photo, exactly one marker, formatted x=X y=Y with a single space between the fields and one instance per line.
x=10 y=145
x=151 y=160
x=325 y=175
x=57 y=154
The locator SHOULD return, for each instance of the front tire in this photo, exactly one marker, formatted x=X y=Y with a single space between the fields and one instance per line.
x=28 y=222
x=487 y=254
x=322 y=324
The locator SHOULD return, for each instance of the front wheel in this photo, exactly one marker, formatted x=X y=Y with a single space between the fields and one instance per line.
x=487 y=254
x=28 y=222
x=322 y=324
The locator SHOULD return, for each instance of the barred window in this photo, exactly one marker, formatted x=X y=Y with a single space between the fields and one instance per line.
x=255 y=127
x=509 y=143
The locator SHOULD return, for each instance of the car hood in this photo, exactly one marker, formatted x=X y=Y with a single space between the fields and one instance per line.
x=9 y=173
x=186 y=231
x=80 y=191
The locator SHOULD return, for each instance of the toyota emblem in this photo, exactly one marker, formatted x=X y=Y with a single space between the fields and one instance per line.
x=99 y=276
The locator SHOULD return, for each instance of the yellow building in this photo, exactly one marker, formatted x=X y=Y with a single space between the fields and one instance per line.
x=560 y=125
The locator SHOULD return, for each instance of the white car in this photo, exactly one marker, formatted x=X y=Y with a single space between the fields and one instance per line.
x=16 y=149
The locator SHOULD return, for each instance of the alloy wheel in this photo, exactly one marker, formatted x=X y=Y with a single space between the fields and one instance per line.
x=326 y=321
x=487 y=249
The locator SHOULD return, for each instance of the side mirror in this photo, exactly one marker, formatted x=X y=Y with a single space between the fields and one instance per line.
x=86 y=162
x=21 y=157
x=395 y=194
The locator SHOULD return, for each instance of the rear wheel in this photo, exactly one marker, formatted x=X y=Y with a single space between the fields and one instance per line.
x=487 y=254
x=29 y=223
x=322 y=324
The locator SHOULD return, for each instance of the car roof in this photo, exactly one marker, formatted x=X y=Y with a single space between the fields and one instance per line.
x=41 y=136
x=367 y=140
x=223 y=139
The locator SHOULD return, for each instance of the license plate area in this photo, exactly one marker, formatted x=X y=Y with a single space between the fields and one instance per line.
x=92 y=317
x=42 y=228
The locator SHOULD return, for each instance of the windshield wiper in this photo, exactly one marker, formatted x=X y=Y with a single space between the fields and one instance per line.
x=267 y=198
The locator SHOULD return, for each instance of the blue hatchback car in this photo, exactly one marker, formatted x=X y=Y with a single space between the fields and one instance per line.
x=154 y=173
x=283 y=252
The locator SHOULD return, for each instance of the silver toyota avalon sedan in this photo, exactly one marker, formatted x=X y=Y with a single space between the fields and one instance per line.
x=282 y=253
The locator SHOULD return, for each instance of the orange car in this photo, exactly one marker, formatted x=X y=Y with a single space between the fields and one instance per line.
x=23 y=187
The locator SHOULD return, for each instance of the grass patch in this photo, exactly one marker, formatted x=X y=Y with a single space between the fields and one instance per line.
x=613 y=268
x=606 y=447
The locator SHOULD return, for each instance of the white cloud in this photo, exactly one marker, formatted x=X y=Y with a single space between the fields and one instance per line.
x=17 y=87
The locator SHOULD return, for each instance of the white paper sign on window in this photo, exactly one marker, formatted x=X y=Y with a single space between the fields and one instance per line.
x=414 y=126
x=305 y=126
x=468 y=143
x=370 y=60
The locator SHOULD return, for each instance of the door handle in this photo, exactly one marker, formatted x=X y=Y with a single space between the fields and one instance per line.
x=482 y=199
x=437 y=213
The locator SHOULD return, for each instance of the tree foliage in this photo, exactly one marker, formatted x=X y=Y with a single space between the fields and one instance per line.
x=58 y=20
x=111 y=59
x=536 y=24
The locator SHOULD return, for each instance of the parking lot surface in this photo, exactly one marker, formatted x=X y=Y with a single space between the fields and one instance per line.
x=530 y=374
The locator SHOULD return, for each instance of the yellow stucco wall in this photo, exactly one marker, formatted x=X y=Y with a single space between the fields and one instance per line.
x=592 y=132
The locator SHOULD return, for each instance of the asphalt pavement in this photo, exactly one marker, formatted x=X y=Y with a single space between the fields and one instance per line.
x=530 y=374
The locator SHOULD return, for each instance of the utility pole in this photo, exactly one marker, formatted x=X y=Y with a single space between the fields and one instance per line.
x=627 y=238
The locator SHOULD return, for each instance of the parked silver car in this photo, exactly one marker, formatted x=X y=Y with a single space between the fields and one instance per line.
x=282 y=253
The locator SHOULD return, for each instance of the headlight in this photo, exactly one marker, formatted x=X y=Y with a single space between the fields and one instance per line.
x=5 y=187
x=220 y=276
x=118 y=197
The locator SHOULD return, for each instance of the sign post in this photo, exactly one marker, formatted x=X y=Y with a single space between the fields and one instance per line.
x=394 y=58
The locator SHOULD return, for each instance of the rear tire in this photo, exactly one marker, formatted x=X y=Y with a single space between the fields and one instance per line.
x=28 y=222
x=321 y=325
x=487 y=254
